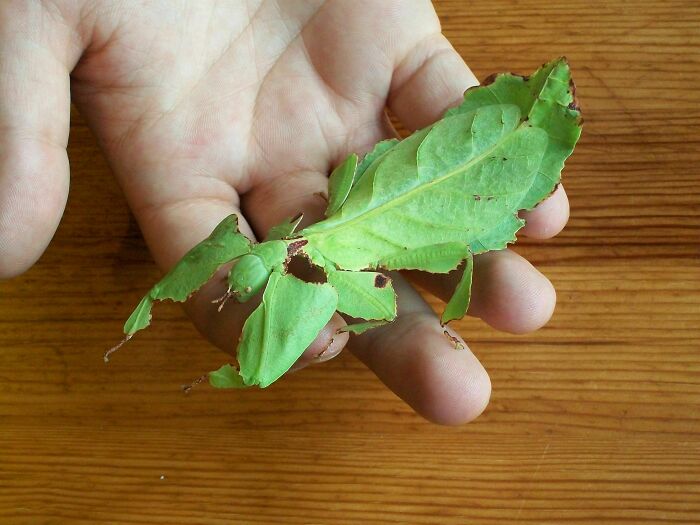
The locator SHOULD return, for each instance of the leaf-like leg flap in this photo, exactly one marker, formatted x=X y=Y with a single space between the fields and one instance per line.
x=380 y=148
x=365 y=295
x=438 y=258
x=314 y=256
x=196 y=267
x=361 y=328
x=224 y=244
x=458 y=304
x=291 y=315
x=284 y=229
x=340 y=183
x=226 y=377
x=140 y=318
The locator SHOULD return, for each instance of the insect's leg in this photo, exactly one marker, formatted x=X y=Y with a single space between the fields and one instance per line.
x=292 y=313
x=364 y=295
x=458 y=304
x=340 y=183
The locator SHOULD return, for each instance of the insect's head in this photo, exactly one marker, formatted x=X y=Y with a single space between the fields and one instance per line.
x=248 y=277
x=251 y=272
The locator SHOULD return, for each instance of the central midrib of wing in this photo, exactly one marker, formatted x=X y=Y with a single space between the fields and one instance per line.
x=413 y=191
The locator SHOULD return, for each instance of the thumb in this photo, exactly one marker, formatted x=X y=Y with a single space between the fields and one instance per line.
x=35 y=65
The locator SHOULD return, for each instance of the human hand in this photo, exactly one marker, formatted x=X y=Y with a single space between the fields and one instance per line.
x=209 y=108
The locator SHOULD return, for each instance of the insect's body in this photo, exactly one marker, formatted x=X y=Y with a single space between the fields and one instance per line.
x=429 y=202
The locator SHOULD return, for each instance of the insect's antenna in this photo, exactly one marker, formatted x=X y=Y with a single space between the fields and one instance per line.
x=221 y=301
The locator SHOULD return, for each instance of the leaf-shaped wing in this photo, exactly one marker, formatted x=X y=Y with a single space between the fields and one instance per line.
x=449 y=183
x=547 y=98
x=291 y=315
x=463 y=179
x=192 y=271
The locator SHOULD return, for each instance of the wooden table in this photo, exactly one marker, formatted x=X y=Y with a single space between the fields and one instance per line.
x=594 y=419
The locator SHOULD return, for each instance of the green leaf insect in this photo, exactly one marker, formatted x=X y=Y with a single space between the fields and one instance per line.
x=429 y=202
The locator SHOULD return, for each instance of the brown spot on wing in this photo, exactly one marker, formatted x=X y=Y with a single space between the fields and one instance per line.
x=381 y=280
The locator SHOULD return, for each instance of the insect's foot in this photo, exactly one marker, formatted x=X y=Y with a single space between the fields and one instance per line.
x=115 y=348
x=458 y=344
x=187 y=388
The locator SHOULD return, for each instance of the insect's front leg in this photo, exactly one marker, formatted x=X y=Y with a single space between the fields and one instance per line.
x=197 y=266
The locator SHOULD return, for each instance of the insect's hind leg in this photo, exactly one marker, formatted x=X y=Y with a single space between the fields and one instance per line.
x=458 y=304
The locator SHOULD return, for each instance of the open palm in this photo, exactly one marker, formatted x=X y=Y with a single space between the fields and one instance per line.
x=212 y=107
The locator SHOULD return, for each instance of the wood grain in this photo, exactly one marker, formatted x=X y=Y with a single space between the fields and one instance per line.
x=594 y=419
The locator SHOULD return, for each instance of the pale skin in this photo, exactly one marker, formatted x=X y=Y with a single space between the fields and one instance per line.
x=209 y=108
